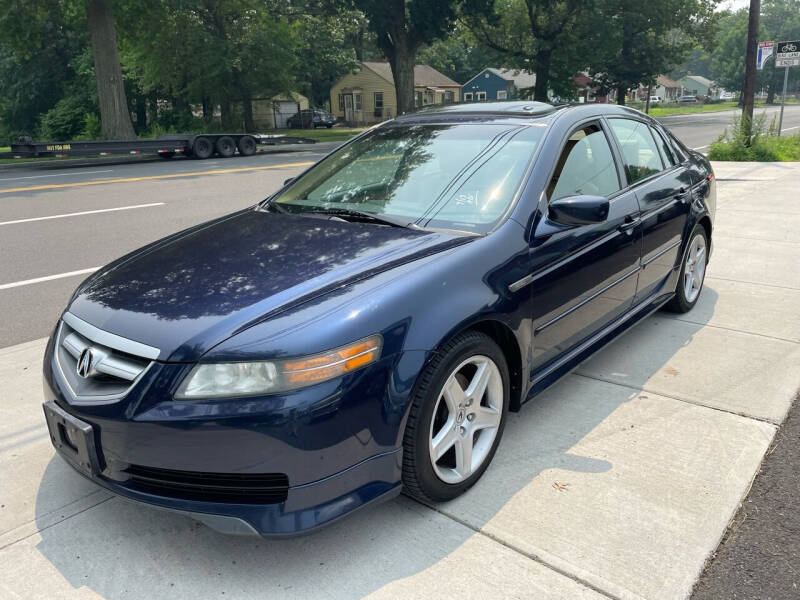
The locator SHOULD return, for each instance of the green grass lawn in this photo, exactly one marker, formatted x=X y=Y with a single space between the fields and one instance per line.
x=334 y=134
x=688 y=109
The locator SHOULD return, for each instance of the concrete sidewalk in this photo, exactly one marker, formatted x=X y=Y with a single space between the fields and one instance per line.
x=618 y=482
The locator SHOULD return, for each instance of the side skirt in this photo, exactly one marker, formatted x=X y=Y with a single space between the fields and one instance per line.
x=570 y=361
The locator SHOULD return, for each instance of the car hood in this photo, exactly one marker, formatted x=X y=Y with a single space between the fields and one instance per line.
x=197 y=288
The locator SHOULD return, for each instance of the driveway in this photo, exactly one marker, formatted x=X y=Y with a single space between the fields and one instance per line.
x=618 y=482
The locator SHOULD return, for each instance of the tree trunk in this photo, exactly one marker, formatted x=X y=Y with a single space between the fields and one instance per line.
x=544 y=59
x=226 y=113
x=622 y=94
x=774 y=83
x=141 y=112
x=402 y=63
x=114 y=113
x=247 y=106
x=208 y=109
x=749 y=89
x=152 y=101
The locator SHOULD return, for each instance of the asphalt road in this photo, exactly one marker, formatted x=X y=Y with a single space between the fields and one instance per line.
x=58 y=223
x=698 y=131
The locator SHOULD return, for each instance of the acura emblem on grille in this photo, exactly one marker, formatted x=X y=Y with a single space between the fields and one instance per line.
x=84 y=366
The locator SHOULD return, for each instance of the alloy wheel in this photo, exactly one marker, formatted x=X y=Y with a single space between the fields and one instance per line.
x=466 y=419
x=695 y=268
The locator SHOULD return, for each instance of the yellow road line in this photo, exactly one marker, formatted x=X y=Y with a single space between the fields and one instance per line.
x=55 y=186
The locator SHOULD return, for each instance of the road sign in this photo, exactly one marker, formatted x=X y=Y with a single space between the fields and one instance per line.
x=788 y=49
x=765 y=50
x=787 y=55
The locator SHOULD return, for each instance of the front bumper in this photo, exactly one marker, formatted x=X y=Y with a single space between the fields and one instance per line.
x=306 y=508
x=337 y=444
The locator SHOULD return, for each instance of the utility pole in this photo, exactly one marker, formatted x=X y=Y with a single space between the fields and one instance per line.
x=749 y=89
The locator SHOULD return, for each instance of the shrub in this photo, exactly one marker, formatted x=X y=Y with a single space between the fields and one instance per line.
x=65 y=120
x=762 y=145
x=92 y=127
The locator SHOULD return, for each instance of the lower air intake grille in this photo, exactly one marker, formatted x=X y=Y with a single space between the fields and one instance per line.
x=234 y=488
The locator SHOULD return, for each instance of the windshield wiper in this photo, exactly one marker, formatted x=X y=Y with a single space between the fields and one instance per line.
x=364 y=216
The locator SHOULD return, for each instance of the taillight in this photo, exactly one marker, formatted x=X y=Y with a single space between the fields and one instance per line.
x=709 y=177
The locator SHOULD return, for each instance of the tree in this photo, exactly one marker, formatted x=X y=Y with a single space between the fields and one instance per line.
x=727 y=58
x=211 y=52
x=543 y=36
x=780 y=21
x=460 y=55
x=114 y=112
x=401 y=28
x=645 y=39
x=325 y=50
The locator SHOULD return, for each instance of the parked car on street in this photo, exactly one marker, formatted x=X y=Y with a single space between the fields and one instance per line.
x=655 y=100
x=688 y=98
x=367 y=328
x=311 y=119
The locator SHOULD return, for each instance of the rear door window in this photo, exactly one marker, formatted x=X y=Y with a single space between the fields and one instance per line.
x=667 y=154
x=639 y=152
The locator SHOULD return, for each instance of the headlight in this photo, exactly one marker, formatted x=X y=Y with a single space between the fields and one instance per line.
x=236 y=379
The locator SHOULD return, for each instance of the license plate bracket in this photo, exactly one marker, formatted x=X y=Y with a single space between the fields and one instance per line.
x=72 y=438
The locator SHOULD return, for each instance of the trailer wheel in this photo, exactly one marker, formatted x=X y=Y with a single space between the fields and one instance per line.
x=202 y=148
x=226 y=146
x=246 y=145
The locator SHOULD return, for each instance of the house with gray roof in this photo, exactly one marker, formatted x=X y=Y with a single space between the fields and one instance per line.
x=697 y=85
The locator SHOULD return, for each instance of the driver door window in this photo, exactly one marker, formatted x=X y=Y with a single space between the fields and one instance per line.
x=586 y=166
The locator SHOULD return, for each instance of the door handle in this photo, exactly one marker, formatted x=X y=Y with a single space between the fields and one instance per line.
x=682 y=195
x=629 y=223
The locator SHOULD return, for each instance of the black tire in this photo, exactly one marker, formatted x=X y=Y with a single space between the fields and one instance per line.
x=680 y=303
x=202 y=148
x=225 y=146
x=246 y=145
x=419 y=478
x=328 y=126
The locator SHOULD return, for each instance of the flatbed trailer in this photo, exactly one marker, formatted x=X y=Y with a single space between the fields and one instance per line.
x=200 y=146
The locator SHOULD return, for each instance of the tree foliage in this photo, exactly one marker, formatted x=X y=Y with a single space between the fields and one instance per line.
x=543 y=36
x=644 y=39
x=401 y=27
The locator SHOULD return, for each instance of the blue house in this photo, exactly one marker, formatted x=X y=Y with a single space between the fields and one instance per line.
x=499 y=84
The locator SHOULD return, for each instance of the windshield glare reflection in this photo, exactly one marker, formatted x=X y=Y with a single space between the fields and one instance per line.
x=461 y=176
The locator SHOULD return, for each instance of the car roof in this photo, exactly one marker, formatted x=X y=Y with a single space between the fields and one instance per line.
x=515 y=110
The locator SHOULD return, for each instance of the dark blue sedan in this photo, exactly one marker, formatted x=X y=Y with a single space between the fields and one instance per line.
x=367 y=328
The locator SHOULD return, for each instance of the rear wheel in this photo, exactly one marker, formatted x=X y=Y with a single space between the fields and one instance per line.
x=693 y=273
x=457 y=417
x=202 y=148
x=225 y=146
x=246 y=145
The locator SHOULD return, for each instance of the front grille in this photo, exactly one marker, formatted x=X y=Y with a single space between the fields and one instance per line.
x=109 y=371
x=236 y=488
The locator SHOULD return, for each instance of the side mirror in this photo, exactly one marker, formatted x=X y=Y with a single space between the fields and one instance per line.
x=288 y=181
x=579 y=210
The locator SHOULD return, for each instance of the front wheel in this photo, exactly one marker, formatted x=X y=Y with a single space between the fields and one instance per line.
x=456 y=420
x=693 y=272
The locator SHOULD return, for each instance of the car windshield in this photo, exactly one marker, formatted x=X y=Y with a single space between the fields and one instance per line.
x=460 y=177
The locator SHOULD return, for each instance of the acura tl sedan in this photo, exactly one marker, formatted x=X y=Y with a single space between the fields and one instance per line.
x=367 y=328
